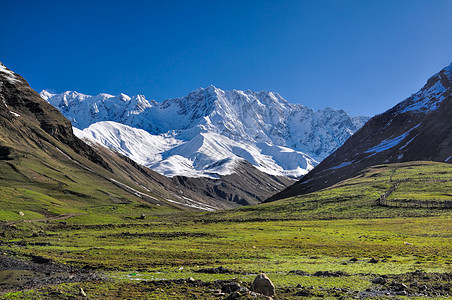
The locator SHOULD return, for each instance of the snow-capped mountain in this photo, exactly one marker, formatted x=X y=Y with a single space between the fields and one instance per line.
x=208 y=131
x=418 y=128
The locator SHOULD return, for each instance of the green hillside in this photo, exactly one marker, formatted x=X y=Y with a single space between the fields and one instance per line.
x=427 y=184
x=48 y=180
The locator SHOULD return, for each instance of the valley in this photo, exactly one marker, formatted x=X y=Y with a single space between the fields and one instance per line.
x=333 y=243
x=80 y=220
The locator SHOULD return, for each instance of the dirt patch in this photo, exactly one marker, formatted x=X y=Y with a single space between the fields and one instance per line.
x=17 y=275
x=219 y=270
x=161 y=235
x=320 y=273
x=416 y=283
x=48 y=219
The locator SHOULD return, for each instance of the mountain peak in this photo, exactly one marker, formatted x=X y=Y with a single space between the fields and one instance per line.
x=45 y=94
x=416 y=129
x=430 y=97
x=19 y=99
x=8 y=75
x=261 y=127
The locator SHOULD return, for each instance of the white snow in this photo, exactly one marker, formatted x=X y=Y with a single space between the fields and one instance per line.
x=14 y=114
x=344 y=164
x=407 y=143
x=210 y=130
x=428 y=98
x=208 y=154
x=187 y=202
x=387 y=144
x=137 y=144
x=447 y=159
x=390 y=143
x=7 y=74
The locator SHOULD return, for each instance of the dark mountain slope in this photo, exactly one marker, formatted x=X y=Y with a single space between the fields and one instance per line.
x=41 y=155
x=35 y=133
x=419 y=128
x=246 y=186
x=19 y=100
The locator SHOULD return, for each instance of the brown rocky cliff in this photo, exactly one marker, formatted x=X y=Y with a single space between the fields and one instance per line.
x=418 y=128
x=17 y=97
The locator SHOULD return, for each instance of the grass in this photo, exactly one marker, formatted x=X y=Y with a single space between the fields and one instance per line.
x=279 y=246
x=338 y=229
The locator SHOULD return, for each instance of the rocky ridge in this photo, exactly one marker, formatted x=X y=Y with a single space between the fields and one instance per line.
x=209 y=126
x=418 y=128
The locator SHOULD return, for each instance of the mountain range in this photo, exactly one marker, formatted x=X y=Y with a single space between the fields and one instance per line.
x=418 y=128
x=209 y=132
x=39 y=151
x=219 y=149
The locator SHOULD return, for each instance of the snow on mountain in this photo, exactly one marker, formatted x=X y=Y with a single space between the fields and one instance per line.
x=84 y=110
x=208 y=154
x=8 y=75
x=138 y=144
x=430 y=96
x=416 y=129
x=211 y=129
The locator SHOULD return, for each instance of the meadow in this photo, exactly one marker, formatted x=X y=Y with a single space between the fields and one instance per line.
x=329 y=244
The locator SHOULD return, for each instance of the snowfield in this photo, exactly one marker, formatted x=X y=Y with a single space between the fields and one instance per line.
x=208 y=154
x=208 y=131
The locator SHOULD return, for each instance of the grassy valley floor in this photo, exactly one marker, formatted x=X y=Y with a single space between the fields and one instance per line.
x=337 y=243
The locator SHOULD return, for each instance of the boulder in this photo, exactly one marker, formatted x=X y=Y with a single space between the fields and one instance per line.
x=263 y=285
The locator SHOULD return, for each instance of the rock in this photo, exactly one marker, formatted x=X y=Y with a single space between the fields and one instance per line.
x=379 y=280
x=219 y=270
x=82 y=293
x=303 y=293
x=299 y=272
x=374 y=260
x=399 y=286
x=263 y=285
x=330 y=274
x=191 y=279
x=230 y=287
x=234 y=295
x=242 y=291
x=21 y=213
x=4 y=152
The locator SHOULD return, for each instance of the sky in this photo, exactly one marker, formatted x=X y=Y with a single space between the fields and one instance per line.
x=362 y=56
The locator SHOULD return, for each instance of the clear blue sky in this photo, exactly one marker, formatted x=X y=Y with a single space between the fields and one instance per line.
x=363 y=56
